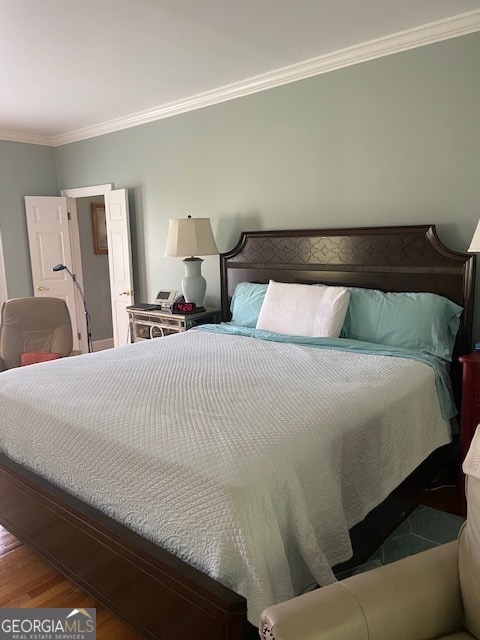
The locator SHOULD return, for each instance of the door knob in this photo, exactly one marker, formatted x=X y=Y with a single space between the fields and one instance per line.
x=40 y=288
x=127 y=293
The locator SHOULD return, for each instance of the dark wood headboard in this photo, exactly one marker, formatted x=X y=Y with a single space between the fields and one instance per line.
x=404 y=258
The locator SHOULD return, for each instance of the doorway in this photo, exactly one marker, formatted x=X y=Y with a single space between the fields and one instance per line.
x=3 y=280
x=119 y=250
x=95 y=275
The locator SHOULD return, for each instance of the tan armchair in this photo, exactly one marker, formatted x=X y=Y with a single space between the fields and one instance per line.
x=428 y=596
x=33 y=325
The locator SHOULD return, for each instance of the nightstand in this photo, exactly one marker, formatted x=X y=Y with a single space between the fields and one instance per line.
x=470 y=414
x=145 y=324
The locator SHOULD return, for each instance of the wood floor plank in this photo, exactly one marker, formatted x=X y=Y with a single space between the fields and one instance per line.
x=27 y=580
x=8 y=542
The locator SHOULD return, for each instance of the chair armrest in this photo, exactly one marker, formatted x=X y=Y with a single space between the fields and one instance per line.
x=329 y=613
x=413 y=599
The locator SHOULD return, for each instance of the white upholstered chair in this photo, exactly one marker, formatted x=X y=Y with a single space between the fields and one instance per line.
x=432 y=595
x=30 y=326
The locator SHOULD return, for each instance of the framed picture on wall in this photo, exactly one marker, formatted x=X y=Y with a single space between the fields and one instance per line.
x=99 y=228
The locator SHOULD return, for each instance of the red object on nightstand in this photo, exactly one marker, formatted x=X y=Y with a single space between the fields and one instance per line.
x=470 y=413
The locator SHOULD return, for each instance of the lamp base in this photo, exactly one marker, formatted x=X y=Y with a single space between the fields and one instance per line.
x=194 y=284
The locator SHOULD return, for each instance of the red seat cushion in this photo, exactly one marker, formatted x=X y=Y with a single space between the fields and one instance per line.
x=32 y=358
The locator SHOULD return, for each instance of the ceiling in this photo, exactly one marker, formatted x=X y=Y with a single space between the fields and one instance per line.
x=72 y=69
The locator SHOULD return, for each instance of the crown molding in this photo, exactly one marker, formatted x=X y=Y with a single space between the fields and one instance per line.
x=431 y=33
x=30 y=138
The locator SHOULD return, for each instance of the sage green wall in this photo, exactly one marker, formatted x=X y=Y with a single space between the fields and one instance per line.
x=25 y=170
x=390 y=141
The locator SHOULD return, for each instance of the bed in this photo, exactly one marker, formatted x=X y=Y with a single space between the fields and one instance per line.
x=162 y=594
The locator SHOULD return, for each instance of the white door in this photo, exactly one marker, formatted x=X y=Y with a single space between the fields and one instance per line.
x=49 y=241
x=119 y=262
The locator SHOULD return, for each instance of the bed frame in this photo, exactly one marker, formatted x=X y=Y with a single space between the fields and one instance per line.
x=159 y=595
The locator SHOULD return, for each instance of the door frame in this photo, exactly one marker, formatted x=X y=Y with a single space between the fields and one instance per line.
x=3 y=276
x=72 y=195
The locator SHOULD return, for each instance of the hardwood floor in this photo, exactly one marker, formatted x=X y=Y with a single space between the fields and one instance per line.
x=26 y=580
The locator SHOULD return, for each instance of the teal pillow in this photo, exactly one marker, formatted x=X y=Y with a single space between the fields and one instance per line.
x=420 y=321
x=246 y=303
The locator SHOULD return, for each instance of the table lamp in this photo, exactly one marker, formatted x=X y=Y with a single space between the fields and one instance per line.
x=475 y=243
x=189 y=237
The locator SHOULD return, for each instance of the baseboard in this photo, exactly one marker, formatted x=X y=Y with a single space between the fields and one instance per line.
x=100 y=345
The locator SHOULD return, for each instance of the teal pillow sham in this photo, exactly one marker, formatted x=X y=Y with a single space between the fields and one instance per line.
x=246 y=303
x=420 y=321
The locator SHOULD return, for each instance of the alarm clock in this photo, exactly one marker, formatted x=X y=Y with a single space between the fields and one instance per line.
x=182 y=307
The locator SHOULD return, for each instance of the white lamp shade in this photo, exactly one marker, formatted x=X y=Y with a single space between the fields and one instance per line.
x=190 y=237
x=475 y=243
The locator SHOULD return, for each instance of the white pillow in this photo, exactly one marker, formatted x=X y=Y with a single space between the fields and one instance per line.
x=304 y=310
